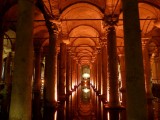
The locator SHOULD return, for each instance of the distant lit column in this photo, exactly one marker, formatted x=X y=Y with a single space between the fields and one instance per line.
x=62 y=72
x=50 y=97
x=123 y=78
x=79 y=73
x=7 y=69
x=6 y=98
x=153 y=67
x=147 y=76
x=95 y=73
x=1 y=52
x=147 y=69
x=21 y=96
x=37 y=86
x=68 y=75
x=71 y=73
x=7 y=72
x=74 y=73
x=99 y=70
x=104 y=69
x=112 y=68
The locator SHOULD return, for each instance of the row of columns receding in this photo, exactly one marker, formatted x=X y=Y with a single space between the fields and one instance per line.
x=133 y=74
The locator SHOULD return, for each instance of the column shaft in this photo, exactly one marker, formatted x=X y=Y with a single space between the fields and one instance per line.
x=99 y=66
x=112 y=68
x=7 y=89
x=20 y=108
x=68 y=77
x=1 y=50
x=135 y=87
x=147 y=76
x=36 y=105
x=104 y=72
x=62 y=72
x=50 y=73
x=123 y=78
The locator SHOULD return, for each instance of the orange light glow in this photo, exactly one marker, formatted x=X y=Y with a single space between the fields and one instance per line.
x=86 y=75
x=86 y=90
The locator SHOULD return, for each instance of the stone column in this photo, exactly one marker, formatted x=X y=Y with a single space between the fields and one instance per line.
x=123 y=79
x=73 y=73
x=68 y=75
x=1 y=51
x=36 y=105
x=147 y=76
x=112 y=68
x=99 y=70
x=20 y=108
x=79 y=74
x=7 y=88
x=135 y=85
x=62 y=72
x=8 y=70
x=104 y=70
x=94 y=74
x=50 y=98
x=96 y=85
x=50 y=72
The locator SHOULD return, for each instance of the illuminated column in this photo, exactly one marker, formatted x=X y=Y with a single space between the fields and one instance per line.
x=112 y=68
x=94 y=74
x=147 y=76
x=37 y=86
x=97 y=77
x=20 y=108
x=99 y=70
x=135 y=85
x=50 y=94
x=79 y=75
x=123 y=78
x=5 y=103
x=104 y=70
x=62 y=72
x=1 y=52
x=74 y=73
x=157 y=65
x=91 y=74
x=8 y=70
x=68 y=75
x=147 y=69
x=153 y=66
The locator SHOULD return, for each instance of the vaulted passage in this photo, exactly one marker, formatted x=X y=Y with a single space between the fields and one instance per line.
x=79 y=60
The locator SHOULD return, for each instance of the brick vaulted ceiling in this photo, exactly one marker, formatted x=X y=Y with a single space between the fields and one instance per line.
x=81 y=24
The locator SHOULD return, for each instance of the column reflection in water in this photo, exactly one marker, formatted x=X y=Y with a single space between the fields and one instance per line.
x=114 y=114
x=55 y=115
x=61 y=111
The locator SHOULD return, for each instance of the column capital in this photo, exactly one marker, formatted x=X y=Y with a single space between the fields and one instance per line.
x=111 y=20
x=144 y=42
x=103 y=43
x=98 y=50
